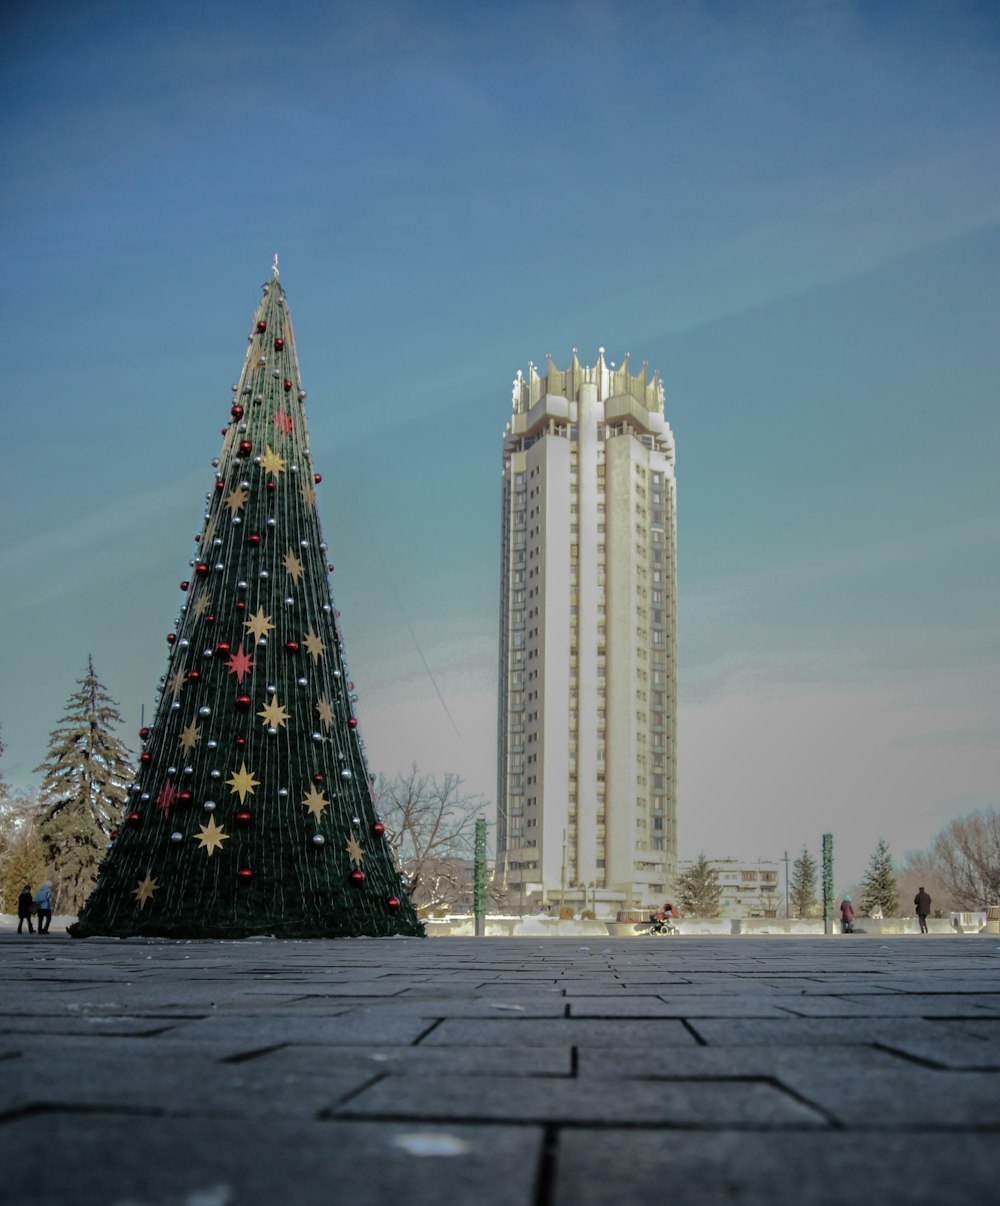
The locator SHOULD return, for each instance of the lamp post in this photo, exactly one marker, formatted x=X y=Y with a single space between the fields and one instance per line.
x=785 y=861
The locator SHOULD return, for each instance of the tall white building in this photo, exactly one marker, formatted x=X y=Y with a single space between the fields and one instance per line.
x=586 y=794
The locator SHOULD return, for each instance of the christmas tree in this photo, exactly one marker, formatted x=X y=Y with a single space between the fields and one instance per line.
x=252 y=811
x=87 y=773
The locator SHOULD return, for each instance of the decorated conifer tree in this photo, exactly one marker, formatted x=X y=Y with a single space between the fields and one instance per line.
x=252 y=811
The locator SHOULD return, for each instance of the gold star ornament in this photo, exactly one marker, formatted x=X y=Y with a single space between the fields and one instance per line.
x=315 y=802
x=236 y=499
x=272 y=463
x=274 y=714
x=353 y=848
x=190 y=737
x=211 y=836
x=294 y=566
x=313 y=645
x=144 y=890
x=243 y=783
x=259 y=625
x=325 y=712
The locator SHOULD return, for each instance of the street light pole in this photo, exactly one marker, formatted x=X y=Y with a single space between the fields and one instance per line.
x=785 y=861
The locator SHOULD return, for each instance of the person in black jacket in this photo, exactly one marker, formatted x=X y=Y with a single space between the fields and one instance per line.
x=24 y=905
x=923 y=905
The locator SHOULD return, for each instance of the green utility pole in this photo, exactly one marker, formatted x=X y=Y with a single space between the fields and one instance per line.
x=479 y=878
x=827 y=883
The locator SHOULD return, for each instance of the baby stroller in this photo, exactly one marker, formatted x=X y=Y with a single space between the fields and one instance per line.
x=660 y=923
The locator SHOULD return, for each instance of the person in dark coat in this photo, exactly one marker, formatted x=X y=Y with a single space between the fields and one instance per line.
x=923 y=905
x=24 y=904
x=846 y=916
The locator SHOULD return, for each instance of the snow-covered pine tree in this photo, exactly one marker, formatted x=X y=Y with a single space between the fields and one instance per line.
x=252 y=812
x=87 y=771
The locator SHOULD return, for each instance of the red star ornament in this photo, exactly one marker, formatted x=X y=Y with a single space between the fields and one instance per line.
x=167 y=796
x=239 y=664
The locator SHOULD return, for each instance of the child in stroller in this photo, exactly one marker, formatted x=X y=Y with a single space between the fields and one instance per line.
x=661 y=921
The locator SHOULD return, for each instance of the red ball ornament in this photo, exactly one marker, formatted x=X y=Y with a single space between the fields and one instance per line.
x=184 y=797
x=145 y=756
x=241 y=742
x=223 y=649
x=357 y=877
x=237 y=411
x=392 y=904
x=210 y=619
x=243 y=704
x=317 y=478
x=378 y=829
x=245 y=875
x=292 y=646
x=185 y=584
x=330 y=568
x=352 y=722
x=245 y=448
x=113 y=834
x=279 y=343
x=219 y=486
x=318 y=778
x=287 y=384
x=144 y=732
x=171 y=637
x=243 y=817
x=253 y=539
x=240 y=605
x=194 y=676
x=272 y=485
x=261 y=325
x=133 y=818
x=201 y=569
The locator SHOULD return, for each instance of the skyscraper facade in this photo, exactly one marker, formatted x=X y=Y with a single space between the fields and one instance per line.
x=587 y=719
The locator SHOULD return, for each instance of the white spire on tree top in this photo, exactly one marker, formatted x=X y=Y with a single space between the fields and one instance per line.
x=274 y=266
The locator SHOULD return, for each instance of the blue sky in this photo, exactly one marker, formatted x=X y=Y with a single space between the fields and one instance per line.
x=791 y=210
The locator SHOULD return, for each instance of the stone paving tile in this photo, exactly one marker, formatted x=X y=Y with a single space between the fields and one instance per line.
x=729 y=1062
x=702 y=1006
x=839 y=1031
x=467 y=1061
x=953 y=1005
x=867 y=1098
x=593 y=1032
x=88 y=1025
x=987 y=1028
x=539 y=1099
x=612 y=1167
x=949 y=1051
x=120 y=1083
x=358 y=1026
x=115 y=1161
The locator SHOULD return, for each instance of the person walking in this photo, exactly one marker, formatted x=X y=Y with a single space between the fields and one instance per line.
x=43 y=898
x=923 y=905
x=24 y=906
x=846 y=916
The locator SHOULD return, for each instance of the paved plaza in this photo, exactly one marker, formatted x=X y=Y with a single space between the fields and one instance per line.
x=501 y=1072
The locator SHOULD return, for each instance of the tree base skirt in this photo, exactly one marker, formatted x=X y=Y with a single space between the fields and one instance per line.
x=284 y=929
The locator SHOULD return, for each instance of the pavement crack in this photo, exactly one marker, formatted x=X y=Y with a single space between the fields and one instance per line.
x=545 y=1179
x=241 y=1057
x=424 y=1033
x=694 y=1033
x=331 y=1112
